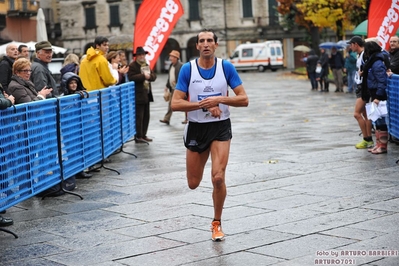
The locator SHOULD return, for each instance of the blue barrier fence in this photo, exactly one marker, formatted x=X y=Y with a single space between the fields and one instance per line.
x=393 y=105
x=83 y=130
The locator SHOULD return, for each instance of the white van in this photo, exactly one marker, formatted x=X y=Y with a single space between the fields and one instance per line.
x=258 y=56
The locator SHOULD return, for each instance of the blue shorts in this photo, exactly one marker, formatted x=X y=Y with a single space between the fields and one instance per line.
x=199 y=136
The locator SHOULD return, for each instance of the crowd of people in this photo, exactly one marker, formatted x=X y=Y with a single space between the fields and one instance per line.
x=367 y=66
x=23 y=80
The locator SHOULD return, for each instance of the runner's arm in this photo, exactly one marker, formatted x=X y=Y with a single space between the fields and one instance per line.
x=239 y=100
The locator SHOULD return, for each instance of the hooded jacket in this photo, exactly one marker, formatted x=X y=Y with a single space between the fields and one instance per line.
x=375 y=75
x=94 y=71
x=72 y=67
x=66 y=78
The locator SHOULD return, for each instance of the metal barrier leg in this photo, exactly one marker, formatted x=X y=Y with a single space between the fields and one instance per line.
x=8 y=231
x=102 y=142
x=121 y=150
x=94 y=169
x=63 y=190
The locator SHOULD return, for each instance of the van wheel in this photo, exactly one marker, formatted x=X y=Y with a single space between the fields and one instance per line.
x=261 y=68
x=274 y=69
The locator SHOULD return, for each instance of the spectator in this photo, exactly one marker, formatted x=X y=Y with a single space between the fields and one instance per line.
x=5 y=102
x=394 y=65
x=6 y=65
x=336 y=61
x=326 y=70
x=71 y=84
x=85 y=49
x=94 y=71
x=41 y=75
x=319 y=74
x=394 y=52
x=141 y=74
x=311 y=63
x=21 y=87
x=116 y=68
x=113 y=62
x=374 y=85
x=174 y=70
x=356 y=44
x=5 y=99
x=122 y=57
x=23 y=51
x=71 y=64
x=350 y=69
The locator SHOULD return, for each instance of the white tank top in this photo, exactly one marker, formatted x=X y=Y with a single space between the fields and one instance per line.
x=201 y=88
x=359 y=62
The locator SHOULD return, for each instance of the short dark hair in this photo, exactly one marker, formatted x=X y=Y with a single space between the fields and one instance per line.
x=100 y=40
x=215 y=38
x=21 y=46
x=87 y=46
x=358 y=40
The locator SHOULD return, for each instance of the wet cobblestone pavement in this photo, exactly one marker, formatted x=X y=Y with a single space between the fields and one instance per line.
x=299 y=193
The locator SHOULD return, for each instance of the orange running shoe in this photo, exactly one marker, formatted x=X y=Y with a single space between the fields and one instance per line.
x=217 y=233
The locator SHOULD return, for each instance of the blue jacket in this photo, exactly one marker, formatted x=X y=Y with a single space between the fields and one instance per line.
x=377 y=77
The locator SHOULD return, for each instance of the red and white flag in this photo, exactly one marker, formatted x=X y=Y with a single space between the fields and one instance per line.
x=155 y=21
x=383 y=20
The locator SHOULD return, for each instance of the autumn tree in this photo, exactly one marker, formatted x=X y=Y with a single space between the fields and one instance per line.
x=314 y=15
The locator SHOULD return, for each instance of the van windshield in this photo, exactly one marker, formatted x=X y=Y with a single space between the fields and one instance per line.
x=234 y=55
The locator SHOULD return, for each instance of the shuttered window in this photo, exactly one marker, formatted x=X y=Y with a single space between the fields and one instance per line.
x=194 y=10
x=273 y=13
x=90 y=13
x=247 y=9
x=114 y=16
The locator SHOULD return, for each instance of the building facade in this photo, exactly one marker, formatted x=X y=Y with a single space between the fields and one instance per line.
x=75 y=23
x=18 y=20
x=234 y=21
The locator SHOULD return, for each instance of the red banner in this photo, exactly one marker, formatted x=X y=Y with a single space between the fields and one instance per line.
x=155 y=21
x=383 y=20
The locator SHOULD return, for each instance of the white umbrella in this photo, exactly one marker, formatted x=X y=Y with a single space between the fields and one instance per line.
x=302 y=48
x=343 y=43
x=41 y=31
x=56 y=49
